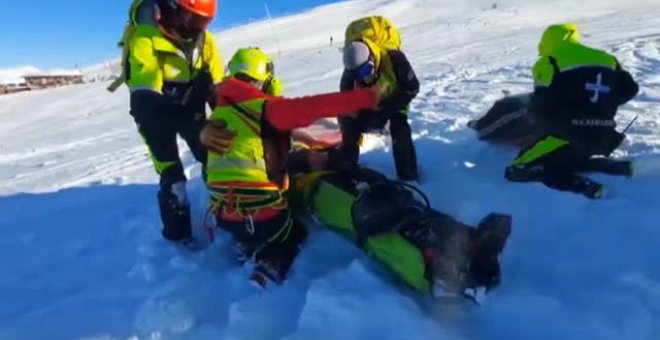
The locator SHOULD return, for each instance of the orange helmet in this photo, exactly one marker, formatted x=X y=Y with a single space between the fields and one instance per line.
x=185 y=19
x=205 y=8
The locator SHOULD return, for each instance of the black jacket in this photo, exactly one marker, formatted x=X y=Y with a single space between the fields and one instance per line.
x=581 y=102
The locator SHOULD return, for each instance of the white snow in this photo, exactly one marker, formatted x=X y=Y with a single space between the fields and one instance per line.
x=82 y=255
x=14 y=76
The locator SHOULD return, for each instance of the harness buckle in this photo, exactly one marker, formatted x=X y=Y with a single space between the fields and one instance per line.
x=249 y=224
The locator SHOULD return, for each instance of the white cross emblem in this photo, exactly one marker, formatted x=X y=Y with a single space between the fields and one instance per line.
x=598 y=87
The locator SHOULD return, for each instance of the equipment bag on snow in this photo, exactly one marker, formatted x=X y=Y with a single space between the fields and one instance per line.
x=393 y=222
x=377 y=30
x=506 y=122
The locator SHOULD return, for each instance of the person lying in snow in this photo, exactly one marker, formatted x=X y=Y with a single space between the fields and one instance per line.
x=577 y=92
x=427 y=250
x=246 y=169
x=507 y=122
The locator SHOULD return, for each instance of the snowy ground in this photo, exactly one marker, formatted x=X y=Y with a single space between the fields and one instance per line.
x=82 y=256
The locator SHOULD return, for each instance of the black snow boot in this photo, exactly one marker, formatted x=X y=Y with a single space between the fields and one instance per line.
x=244 y=252
x=274 y=260
x=609 y=166
x=488 y=242
x=446 y=246
x=175 y=212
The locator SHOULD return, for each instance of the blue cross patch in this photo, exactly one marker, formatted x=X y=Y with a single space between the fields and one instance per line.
x=597 y=87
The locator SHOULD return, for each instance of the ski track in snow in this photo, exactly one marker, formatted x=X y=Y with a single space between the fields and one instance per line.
x=83 y=258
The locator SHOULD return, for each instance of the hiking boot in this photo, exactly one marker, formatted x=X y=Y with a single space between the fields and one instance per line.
x=610 y=166
x=492 y=234
x=190 y=243
x=450 y=274
x=269 y=271
x=243 y=252
x=589 y=188
x=258 y=280
x=275 y=260
x=488 y=242
x=597 y=191
x=524 y=173
x=175 y=212
x=448 y=263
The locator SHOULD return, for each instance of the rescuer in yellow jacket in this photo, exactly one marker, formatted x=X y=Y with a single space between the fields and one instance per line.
x=249 y=180
x=171 y=64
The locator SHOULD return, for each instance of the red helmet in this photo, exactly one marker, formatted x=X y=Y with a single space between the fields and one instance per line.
x=185 y=19
x=205 y=8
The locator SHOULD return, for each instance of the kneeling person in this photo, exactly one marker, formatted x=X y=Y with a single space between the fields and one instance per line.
x=370 y=58
x=576 y=96
x=249 y=181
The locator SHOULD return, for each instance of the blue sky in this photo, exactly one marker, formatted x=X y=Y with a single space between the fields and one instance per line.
x=65 y=33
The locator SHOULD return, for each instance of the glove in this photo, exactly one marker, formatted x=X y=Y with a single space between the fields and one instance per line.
x=216 y=136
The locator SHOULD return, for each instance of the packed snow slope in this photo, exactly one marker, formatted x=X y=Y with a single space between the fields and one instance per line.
x=82 y=257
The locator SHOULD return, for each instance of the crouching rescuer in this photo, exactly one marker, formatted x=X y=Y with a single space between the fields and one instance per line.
x=577 y=92
x=249 y=182
x=393 y=222
x=373 y=55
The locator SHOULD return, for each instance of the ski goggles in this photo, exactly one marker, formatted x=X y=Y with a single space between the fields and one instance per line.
x=365 y=73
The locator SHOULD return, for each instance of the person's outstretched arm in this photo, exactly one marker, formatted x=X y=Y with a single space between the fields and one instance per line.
x=288 y=114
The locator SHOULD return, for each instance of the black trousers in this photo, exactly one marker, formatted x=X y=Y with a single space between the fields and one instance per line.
x=405 y=157
x=557 y=163
x=160 y=135
x=159 y=131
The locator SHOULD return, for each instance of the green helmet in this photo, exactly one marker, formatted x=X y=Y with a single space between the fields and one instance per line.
x=556 y=37
x=251 y=62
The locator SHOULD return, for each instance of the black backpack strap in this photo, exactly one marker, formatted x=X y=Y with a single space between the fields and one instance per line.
x=554 y=64
x=386 y=207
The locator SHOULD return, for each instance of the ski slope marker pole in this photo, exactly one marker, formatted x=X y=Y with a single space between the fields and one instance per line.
x=630 y=124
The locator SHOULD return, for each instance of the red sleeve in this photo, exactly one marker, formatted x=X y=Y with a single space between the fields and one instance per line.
x=288 y=114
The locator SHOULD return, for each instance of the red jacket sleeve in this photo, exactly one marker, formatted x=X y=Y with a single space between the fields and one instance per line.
x=288 y=114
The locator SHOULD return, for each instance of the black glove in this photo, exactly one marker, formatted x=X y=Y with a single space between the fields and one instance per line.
x=200 y=90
